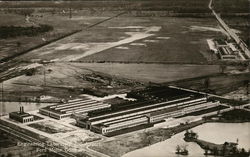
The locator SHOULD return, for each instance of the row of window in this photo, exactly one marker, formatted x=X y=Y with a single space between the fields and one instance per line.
x=91 y=108
x=157 y=104
x=166 y=115
x=200 y=106
x=69 y=103
x=28 y=120
x=106 y=130
x=77 y=105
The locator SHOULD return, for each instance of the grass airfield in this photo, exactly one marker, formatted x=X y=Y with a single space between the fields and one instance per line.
x=131 y=51
x=136 y=39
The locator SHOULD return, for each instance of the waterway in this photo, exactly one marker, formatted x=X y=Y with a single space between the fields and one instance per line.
x=212 y=132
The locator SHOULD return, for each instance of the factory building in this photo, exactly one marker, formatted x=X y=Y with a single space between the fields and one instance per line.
x=21 y=116
x=63 y=110
x=153 y=105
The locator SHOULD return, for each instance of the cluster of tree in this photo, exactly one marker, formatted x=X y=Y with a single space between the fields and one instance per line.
x=231 y=6
x=30 y=72
x=7 y=155
x=15 y=31
x=236 y=115
x=21 y=11
x=233 y=153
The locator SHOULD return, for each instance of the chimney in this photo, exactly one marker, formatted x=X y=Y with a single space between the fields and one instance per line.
x=20 y=109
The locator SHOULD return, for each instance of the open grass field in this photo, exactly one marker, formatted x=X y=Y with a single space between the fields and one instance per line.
x=241 y=24
x=136 y=40
x=65 y=80
x=51 y=127
x=232 y=6
x=85 y=13
x=168 y=5
x=61 y=24
x=157 y=73
x=178 y=39
x=218 y=84
x=56 y=14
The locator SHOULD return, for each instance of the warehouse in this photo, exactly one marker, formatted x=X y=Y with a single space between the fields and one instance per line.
x=83 y=105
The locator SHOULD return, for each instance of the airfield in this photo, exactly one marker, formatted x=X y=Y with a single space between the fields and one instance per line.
x=108 y=49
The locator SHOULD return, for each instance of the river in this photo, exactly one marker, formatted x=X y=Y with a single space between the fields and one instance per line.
x=212 y=132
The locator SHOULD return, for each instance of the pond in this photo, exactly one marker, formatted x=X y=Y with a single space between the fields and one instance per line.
x=212 y=132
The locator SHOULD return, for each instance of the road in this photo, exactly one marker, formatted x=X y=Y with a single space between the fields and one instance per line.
x=242 y=107
x=231 y=33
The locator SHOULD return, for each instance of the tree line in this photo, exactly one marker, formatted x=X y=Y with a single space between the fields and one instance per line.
x=15 y=31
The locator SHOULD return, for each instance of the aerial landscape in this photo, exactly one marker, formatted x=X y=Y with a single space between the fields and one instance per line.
x=125 y=78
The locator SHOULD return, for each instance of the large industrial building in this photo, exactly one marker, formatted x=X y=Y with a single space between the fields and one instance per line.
x=153 y=105
x=78 y=106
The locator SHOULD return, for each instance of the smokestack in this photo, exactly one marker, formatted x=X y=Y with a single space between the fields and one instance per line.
x=20 y=110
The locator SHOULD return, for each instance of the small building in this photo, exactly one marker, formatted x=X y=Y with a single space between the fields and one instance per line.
x=220 y=43
x=21 y=116
x=226 y=54
x=224 y=50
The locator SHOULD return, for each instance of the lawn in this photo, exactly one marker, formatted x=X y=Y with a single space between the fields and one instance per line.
x=51 y=127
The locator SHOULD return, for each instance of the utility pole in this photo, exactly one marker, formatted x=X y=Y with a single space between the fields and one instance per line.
x=247 y=83
x=70 y=12
x=44 y=75
x=3 y=105
x=44 y=79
